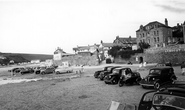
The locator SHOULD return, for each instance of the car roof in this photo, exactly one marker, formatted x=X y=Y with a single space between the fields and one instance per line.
x=121 y=68
x=162 y=67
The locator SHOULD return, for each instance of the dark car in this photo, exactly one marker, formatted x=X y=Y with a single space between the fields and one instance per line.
x=27 y=70
x=13 y=69
x=123 y=75
x=19 y=70
x=47 y=70
x=129 y=77
x=169 y=98
x=97 y=73
x=109 y=71
x=158 y=76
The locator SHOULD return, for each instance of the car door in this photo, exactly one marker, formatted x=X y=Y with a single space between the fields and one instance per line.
x=146 y=101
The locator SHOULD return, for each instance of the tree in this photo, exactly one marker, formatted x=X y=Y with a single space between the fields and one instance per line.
x=114 y=51
x=143 y=45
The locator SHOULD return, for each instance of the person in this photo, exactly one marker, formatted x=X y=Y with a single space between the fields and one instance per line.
x=183 y=68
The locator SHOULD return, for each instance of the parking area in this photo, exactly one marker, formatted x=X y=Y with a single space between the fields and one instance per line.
x=64 y=93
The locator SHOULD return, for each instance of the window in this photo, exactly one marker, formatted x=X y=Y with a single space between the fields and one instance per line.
x=157 y=39
x=157 y=33
x=143 y=35
x=154 y=33
x=148 y=40
x=154 y=39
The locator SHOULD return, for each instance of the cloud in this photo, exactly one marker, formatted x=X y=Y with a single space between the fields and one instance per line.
x=171 y=8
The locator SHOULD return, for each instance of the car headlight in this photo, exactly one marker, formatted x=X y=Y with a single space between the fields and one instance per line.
x=153 y=78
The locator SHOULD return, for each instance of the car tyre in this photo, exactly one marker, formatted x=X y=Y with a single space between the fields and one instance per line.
x=120 y=83
x=57 y=72
x=42 y=73
x=157 y=85
x=138 y=80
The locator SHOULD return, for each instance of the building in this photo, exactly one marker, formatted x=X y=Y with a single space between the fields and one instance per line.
x=86 y=50
x=179 y=33
x=126 y=42
x=104 y=48
x=156 y=34
x=59 y=53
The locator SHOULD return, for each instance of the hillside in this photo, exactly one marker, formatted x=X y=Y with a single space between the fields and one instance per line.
x=21 y=57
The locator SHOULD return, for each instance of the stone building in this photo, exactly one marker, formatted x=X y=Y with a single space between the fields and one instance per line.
x=156 y=34
x=179 y=33
x=126 y=41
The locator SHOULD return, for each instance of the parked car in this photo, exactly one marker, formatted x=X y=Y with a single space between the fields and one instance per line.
x=27 y=70
x=123 y=75
x=109 y=71
x=97 y=73
x=19 y=70
x=13 y=69
x=47 y=70
x=62 y=69
x=158 y=76
x=169 y=98
x=129 y=77
x=38 y=69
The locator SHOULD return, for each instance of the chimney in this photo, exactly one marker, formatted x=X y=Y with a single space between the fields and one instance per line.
x=117 y=36
x=166 y=22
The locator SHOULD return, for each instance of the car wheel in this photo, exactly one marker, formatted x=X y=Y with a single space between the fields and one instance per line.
x=143 y=86
x=42 y=73
x=120 y=83
x=138 y=80
x=157 y=85
x=113 y=81
x=57 y=72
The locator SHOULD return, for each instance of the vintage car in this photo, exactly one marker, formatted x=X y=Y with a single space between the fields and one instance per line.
x=169 y=98
x=38 y=69
x=123 y=75
x=129 y=77
x=109 y=71
x=13 y=69
x=26 y=70
x=158 y=76
x=97 y=73
x=47 y=70
x=62 y=69
x=19 y=70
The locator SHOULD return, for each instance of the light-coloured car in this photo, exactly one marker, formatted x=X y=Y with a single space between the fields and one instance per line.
x=63 y=69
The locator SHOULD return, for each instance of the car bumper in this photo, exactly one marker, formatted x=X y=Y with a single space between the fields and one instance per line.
x=146 y=83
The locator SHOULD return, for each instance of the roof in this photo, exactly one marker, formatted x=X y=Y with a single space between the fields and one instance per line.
x=152 y=23
x=59 y=50
x=162 y=67
x=108 y=44
x=86 y=47
x=127 y=40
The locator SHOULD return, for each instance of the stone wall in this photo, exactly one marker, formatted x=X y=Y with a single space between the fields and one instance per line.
x=78 y=60
x=162 y=57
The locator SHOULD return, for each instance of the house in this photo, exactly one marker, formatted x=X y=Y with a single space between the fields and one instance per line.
x=126 y=42
x=104 y=48
x=156 y=34
x=178 y=33
x=86 y=50
x=59 y=53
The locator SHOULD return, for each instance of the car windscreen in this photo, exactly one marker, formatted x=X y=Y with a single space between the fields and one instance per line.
x=115 y=71
x=109 y=69
x=155 y=72
x=169 y=100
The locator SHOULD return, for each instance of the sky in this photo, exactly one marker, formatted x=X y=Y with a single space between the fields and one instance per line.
x=40 y=26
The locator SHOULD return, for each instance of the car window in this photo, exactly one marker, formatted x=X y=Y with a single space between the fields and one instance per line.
x=155 y=72
x=169 y=100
